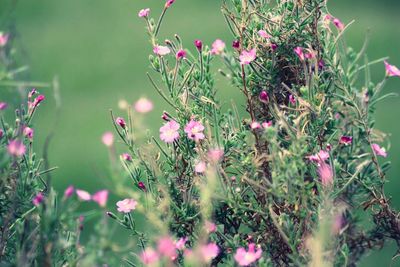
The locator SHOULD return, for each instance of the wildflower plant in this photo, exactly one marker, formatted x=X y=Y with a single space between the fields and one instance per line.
x=285 y=185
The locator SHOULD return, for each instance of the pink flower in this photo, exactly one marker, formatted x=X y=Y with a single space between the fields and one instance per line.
x=121 y=122
x=379 y=151
x=338 y=24
x=346 y=140
x=69 y=191
x=143 y=105
x=169 y=3
x=126 y=157
x=126 y=205
x=267 y=124
x=142 y=186
x=255 y=125
x=161 y=50
x=218 y=47
x=28 y=133
x=16 y=148
x=215 y=154
x=299 y=52
x=325 y=174
x=1 y=133
x=144 y=13
x=200 y=167
x=244 y=258
x=391 y=70
x=101 y=197
x=198 y=44
x=246 y=57
x=264 y=97
x=32 y=93
x=169 y=132
x=3 y=39
x=264 y=34
x=108 y=139
x=3 y=105
x=321 y=156
x=83 y=195
x=180 y=54
x=38 y=199
x=194 y=130
x=292 y=99
x=166 y=247
x=180 y=244
x=274 y=47
x=209 y=252
x=210 y=227
x=149 y=256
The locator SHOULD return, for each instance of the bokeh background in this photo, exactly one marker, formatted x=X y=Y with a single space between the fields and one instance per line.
x=98 y=49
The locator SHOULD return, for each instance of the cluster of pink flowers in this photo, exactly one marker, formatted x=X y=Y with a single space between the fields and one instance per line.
x=100 y=197
x=169 y=132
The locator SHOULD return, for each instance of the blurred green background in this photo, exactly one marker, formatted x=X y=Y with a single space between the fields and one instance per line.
x=98 y=49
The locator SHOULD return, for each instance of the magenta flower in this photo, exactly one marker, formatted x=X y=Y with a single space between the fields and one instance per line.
x=321 y=156
x=338 y=24
x=198 y=44
x=169 y=3
x=292 y=99
x=209 y=252
x=161 y=50
x=142 y=186
x=108 y=139
x=16 y=148
x=166 y=247
x=83 y=195
x=325 y=174
x=143 y=105
x=391 y=70
x=246 y=57
x=264 y=97
x=3 y=39
x=346 y=140
x=300 y=53
x=267 y=124
x=38 y=199
x=180 y=244
x=169 y=132
x=218 y=47
x=194 y=130
x=144 y=13
x=1 y=133
x=274 y=47
x=69 y=191
x=180 y=54
x=200 y=167
x=379 y=151
x=149 y=256
x=255 y=125
x=244 y=258
x=121 y=122
x=264 y=34
x=126 y=205
x=101 y=197
x=3 y=105
x=28 y=133
x=126 y=157
x=236 y=44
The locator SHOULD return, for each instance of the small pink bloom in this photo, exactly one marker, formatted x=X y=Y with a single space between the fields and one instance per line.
x=169 y=132
x=101 y=197
x=1 y=133
x=16 y=148
x=83 y=195
x=181 y=54
x=144 y=13
x=38 y=199
x=108 y=139
x=121 y=122
x=194 y=130
x=142 y=186
x=267 y=124
x=209 y=252
x=218 y=47
x=149 y=256
x=246 y=57
x=69 y=191
x=28 y=133
x=166 y=247
x=255 y=125
x=321 y=156
x=236 y=44
x=126 y=205
x=292 y=99
x=210 y=227
x=245 y=258
x=325 y=174
x=38 y=100
x=337 y=224
x=310 y=55
x=3 y=105
x=32 y=93
x=327 y=18
x=338 y=24
x=346 y=140
x=264 y=97
x=264 y=34
x=161 y=50
x=299 y=52
x=180 y=244
x=215 y=154
x=3 y=39
x=200 y=167
x=379 y=151
x=274 y=47
x=198 y=44
x=169 y=3
x=391 y=70
x=143 y=105
x=126 y=157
